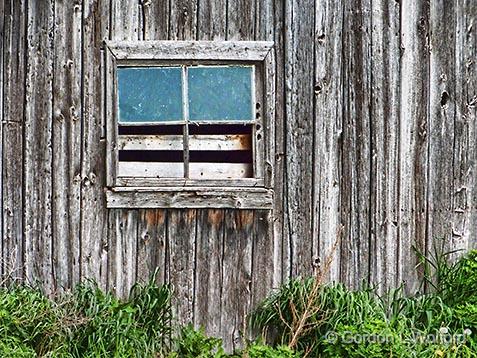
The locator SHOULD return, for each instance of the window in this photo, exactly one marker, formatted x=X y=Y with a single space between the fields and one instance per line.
x=189 y=124
x=202 y=116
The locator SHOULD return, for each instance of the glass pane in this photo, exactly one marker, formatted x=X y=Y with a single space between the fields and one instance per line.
x=220 y=93
x=149 y=94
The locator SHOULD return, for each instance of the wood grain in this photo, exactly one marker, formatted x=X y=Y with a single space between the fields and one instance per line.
x=465 y=130
x=191 y=197
x=151 y=246
x=236 y=275
x=181 y=251
x=197 y=170
x=175 y=142
x=38 y=145
x=414 y=132
x=298 y=180
x=356 y=176
x=328 y=95
x=209 y=270
x=385 y=144
x=122 y=264
x=13 y=112
x=94 y=222
x=189 y=50
x=442 y=112
x=66 y=143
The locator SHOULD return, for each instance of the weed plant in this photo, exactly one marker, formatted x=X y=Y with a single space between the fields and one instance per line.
x=440 y=323
x=296 y=320
x=87 y=323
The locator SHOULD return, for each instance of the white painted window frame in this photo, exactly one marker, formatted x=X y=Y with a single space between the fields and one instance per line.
x=241 y=193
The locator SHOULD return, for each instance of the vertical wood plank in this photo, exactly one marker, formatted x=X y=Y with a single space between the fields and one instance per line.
x=356 y=179
x=413 y=131
x=181 y=234
x=123 y=251
x=152 y=233
x=182 y=224
x=208 y=272
x=66 y=142
x=122 y=260
x=12 y=241
x=264 y=27
x=125 y=20
x=38 y=152
x=156 y=19
x=239 y=234
x=266 y=253
x=328 y=94
x=236 y=278
x=299 y=64
x=265 y=266
x=385 y=143
x=183 y=20
x=151 y=246
x=441 y=125
x=240 y=20
x=211 y=25
x=13 y=109
x=211 y=20
x=279 y=233
x=94 y=215
x=464 y=196
x=3 y=45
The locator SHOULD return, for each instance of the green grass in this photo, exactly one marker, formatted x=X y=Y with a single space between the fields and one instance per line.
x=357 y=320
x=91 y=323
x=86 y=323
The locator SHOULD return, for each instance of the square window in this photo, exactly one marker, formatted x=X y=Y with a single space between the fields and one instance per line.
x=189 y=124
x=149 y=94
x=220 y=93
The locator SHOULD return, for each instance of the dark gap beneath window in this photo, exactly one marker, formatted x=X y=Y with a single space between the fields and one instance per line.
x=193 y=129
x=220 y=129
x=221 y=156
x=175 y=156
x=148 y=130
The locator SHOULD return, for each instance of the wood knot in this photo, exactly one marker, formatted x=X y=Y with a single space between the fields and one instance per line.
x=318 y=88
x=68 y=64
x=321 y=38
x=59 y=116
x=444 y=99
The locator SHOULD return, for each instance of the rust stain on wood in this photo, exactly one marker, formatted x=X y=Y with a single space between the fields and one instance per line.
x=215 y=217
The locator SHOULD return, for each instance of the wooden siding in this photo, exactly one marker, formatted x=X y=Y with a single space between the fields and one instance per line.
x=375 y=138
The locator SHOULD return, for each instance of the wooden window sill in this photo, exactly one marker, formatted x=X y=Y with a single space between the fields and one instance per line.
x=189 y=197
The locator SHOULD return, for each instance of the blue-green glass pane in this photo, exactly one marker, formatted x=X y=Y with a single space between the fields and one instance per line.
x=149 y=94
x=220 y=93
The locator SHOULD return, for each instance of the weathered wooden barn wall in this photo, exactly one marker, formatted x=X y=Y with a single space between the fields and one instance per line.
x=375 y=139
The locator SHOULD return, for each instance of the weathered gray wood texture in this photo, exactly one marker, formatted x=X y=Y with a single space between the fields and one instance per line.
x=375 y=122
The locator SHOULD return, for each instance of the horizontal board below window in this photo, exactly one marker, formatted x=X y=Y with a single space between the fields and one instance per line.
x=191 y=197
x=125 y=183
x=196 y=142
x=196 y=170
